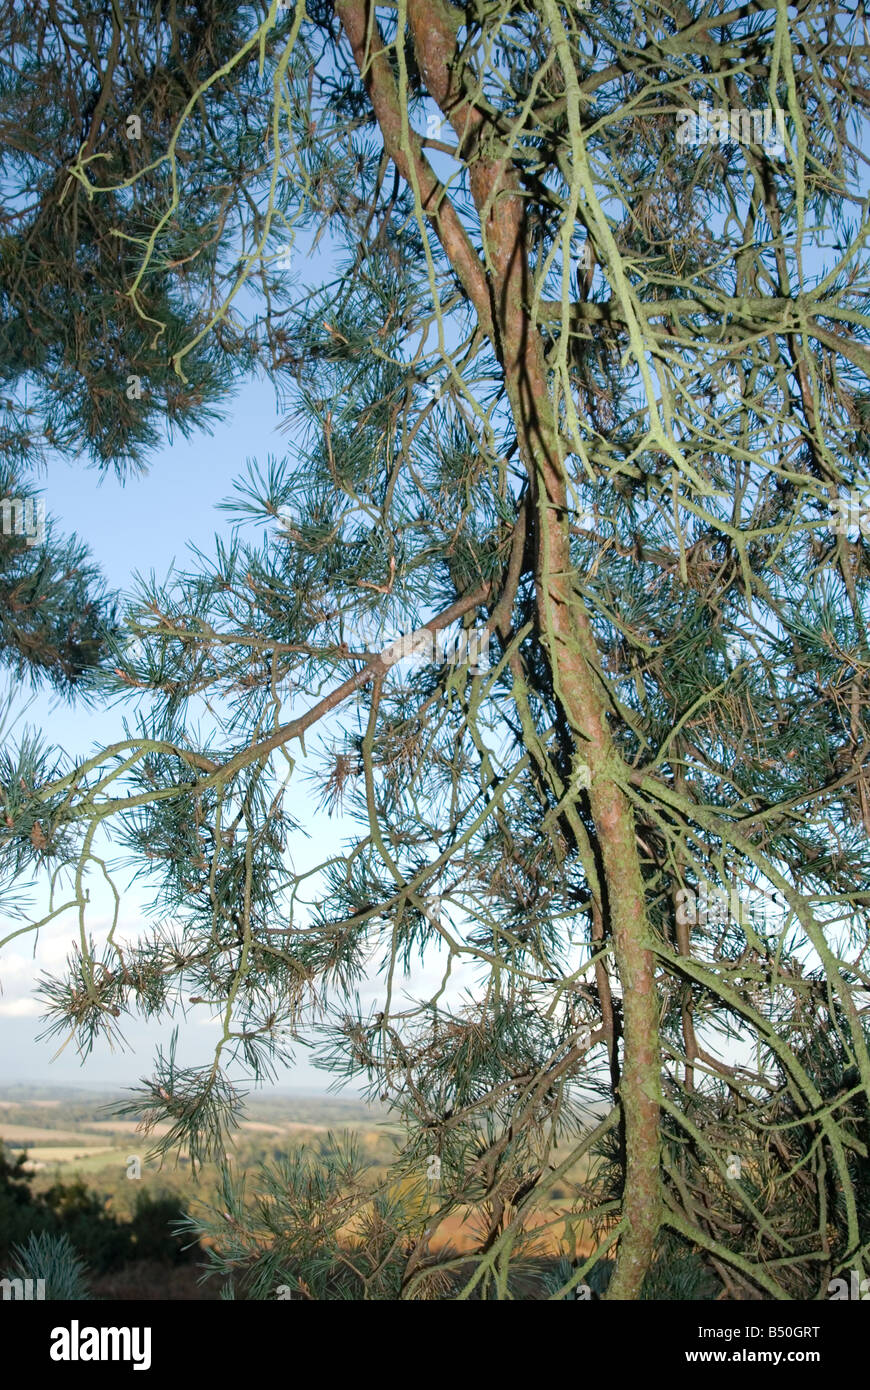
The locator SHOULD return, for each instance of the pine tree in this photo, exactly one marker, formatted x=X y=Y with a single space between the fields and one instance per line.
x=58 y=626
x=86 y=344
x=51 y=1261
x=590 y=377
x=56 y=618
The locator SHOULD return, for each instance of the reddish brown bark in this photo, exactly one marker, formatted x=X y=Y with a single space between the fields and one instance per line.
x=500 y=294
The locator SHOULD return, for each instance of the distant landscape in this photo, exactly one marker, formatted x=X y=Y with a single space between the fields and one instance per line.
x=92 y=1174
x=67 y=1141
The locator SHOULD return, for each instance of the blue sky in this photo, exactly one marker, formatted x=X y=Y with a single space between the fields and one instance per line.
x=146 y=524
x=149 y=524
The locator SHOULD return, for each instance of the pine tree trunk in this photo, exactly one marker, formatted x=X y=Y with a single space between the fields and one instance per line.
x=501 y=296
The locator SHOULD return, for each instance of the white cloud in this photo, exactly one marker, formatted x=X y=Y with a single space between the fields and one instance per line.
x=20 y=1008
